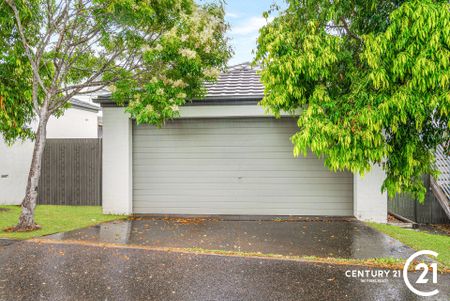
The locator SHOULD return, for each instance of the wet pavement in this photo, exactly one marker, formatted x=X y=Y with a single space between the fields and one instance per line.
x=339 y=238
x=32 y=271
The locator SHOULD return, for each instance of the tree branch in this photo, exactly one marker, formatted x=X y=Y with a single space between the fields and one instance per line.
x=28 y=51
x=348 y=31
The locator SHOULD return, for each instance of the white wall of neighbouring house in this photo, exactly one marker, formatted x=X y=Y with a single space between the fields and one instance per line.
x=15 y=160
x=370 y=204
x=75 y=123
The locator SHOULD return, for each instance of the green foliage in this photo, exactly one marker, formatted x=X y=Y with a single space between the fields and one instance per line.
x=155 y=54
x=191 y=52
x=15 y=90
x=152 y=54
x=371 y=79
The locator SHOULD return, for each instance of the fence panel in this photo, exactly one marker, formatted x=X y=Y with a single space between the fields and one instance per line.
x=71 y=172
x=430 y=212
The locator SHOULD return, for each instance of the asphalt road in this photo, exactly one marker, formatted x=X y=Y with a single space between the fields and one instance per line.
x=34 y=271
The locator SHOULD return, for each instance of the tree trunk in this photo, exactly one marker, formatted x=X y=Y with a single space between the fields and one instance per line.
x=26 y=219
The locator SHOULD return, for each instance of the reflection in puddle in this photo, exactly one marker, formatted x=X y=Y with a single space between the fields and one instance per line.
x=339 y=239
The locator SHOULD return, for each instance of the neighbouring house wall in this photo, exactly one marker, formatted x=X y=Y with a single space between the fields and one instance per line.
x=74 y=123
x=15 y=160
x=370 y=204
x=117 y=164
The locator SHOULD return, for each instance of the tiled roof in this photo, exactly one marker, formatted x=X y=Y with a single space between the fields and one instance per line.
x=238 y=82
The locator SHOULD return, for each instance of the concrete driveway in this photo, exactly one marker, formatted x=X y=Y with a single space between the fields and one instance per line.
x=321 y=237
x=126 y=261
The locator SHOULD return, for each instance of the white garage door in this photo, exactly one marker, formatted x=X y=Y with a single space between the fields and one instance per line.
x=232 y=166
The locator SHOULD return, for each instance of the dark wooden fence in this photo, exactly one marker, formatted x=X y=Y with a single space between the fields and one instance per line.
x=430 y=212
x=71 y=172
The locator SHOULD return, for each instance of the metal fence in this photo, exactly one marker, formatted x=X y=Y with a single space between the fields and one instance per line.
x=71 y=172
x=430 y=212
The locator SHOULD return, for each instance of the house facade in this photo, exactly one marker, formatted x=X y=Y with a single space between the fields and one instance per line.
x=225 y=156
x=79 y=121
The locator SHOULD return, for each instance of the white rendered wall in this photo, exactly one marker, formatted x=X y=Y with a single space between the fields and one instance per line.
x=15 y=160
x=369 y=203
x=75 y=123
x=117 y=156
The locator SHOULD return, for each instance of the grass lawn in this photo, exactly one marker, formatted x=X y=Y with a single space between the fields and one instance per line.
x=54 y=219
x=419 y=240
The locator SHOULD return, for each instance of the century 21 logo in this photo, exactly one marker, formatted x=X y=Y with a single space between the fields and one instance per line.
x=423 y=277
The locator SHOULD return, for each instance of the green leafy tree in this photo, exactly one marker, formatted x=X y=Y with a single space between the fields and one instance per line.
x=153 y=54
x=372 y=81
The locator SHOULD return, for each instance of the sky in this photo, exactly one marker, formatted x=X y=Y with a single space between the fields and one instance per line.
x=245 y=18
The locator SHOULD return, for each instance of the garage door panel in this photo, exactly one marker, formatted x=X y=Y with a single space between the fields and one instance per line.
x=143 y=200
x=195 y=134
x=226 y=206
x=249 y=169
x=212 y=149
x=216 y=142
x=197 y=165
x=155 y=180
x=242 y=164
x=237 y=187
x=218 y=154
x=147 y=172
x=153 y=196
x=232 y=166
x=213 y=135
x=248 y=202
x=248 y=211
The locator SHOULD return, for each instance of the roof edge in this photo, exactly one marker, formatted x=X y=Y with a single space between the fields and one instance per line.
x=75 y=103
x=106 y=101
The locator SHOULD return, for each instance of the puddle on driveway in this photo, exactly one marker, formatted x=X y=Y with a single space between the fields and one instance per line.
x=339 y=239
